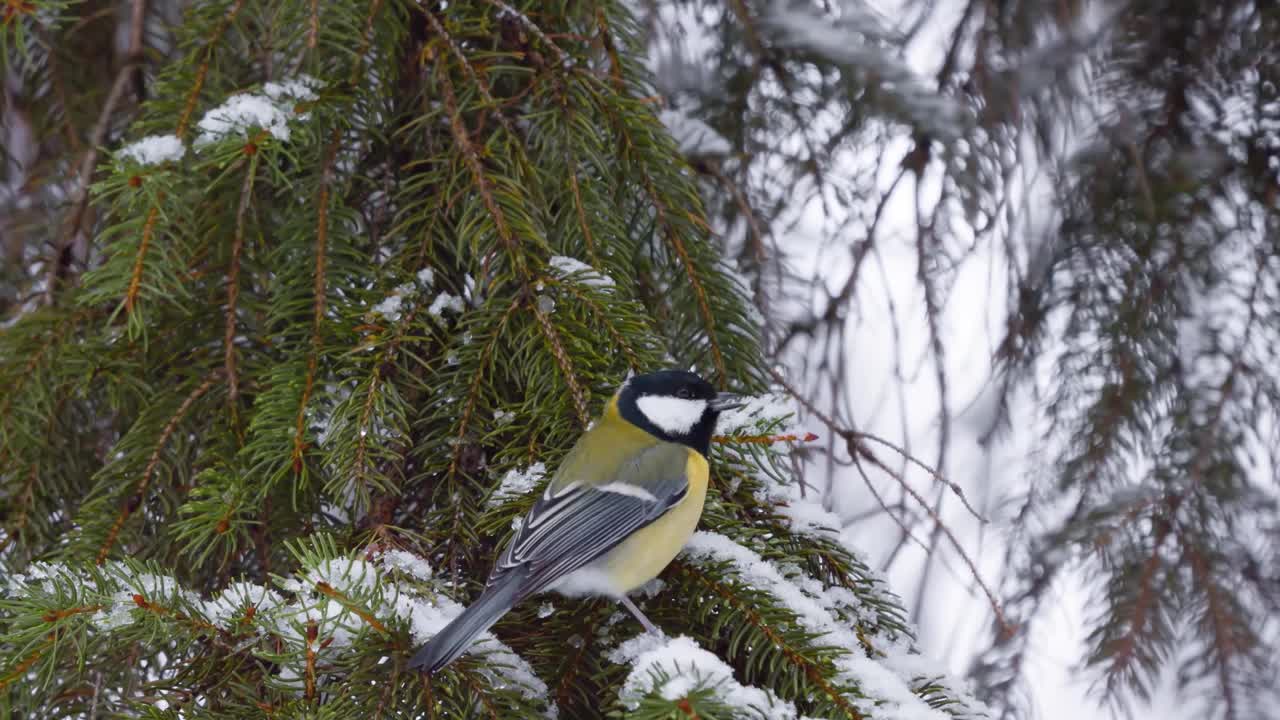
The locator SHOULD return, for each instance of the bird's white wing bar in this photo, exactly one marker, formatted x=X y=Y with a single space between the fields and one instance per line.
x=627 y=489
x=547 y=494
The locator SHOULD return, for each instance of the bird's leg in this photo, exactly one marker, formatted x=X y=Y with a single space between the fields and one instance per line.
x=648 y=625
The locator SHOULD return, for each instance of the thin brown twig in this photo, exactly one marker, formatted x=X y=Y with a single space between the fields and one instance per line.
x=862 y=435
x=856 y=447
x=902 y=525
x=314 y=32
x=910 y=458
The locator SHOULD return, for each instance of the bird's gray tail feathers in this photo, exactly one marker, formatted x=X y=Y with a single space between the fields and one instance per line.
x=457 y=636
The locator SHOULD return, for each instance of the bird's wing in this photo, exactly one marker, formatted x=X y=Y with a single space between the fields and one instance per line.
x=578 y=522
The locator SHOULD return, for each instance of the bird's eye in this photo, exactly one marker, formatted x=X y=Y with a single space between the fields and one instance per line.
x=683 y=393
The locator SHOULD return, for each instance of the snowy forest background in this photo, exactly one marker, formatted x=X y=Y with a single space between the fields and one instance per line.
x=1029 y=245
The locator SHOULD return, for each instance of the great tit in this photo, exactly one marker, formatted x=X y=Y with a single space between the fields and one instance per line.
x=621 y=505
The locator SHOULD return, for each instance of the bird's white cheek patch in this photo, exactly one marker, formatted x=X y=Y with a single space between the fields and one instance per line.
x=672 y=414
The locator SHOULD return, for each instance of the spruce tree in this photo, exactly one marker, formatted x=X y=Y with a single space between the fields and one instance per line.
x=349 y=280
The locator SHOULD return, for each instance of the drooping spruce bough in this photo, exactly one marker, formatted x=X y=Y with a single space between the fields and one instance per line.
x=355 y=269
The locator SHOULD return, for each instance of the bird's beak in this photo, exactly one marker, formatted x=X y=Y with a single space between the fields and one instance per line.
x=727 y=401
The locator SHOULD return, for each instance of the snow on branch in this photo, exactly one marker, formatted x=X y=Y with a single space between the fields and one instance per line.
x=154 y=149
x=314 y=617
x=888 y=696
x=517 y=483
x=572 y=268
x=844 y=43
x=675 y=668
x=270 y=110
x=694 y=137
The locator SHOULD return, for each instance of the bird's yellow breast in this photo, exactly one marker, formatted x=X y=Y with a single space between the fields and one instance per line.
x=639 y=558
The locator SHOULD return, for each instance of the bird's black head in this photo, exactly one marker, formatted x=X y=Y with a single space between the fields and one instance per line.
x=674 y=405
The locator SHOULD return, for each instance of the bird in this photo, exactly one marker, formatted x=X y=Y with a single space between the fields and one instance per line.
x=618 y=509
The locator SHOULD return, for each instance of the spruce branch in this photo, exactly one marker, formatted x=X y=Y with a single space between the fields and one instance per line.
x=603 y=317
x=580 y=210
x=205 y=55
x=504 y=233
x=487 y=355
x=704 y=308
x=318 y=300
x=80 y=201
x=809 y=668
x=135 y=278
x=562 y=59
x=233 y=282
x=138 y=496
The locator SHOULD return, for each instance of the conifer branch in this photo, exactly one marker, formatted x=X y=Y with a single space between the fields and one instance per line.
x=566 y=366
x=22 y=502
x=54 y=616
x=581 y=211
x=794 y=656
x=361 y=463
x=481 y=85
x=704 y=307
x=620 y=340
x=135 y=278
x=606 y=39
x=318 y=302
x=1122 y=648
x=478 y=692
x=33 y=362
x=762 y=439
x=561 y=58
x=137 y=498
x=744 y=208
x=329 y=591
x=80 y=201
x=365 y=38
x=202 y=70
x=194 y=623
x=1223 y=642
x=504 y=233
x=20 y=670
x=571 y=668
x=313 y=30
x=477 y=383
x=311 y=633
x=233 y=283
